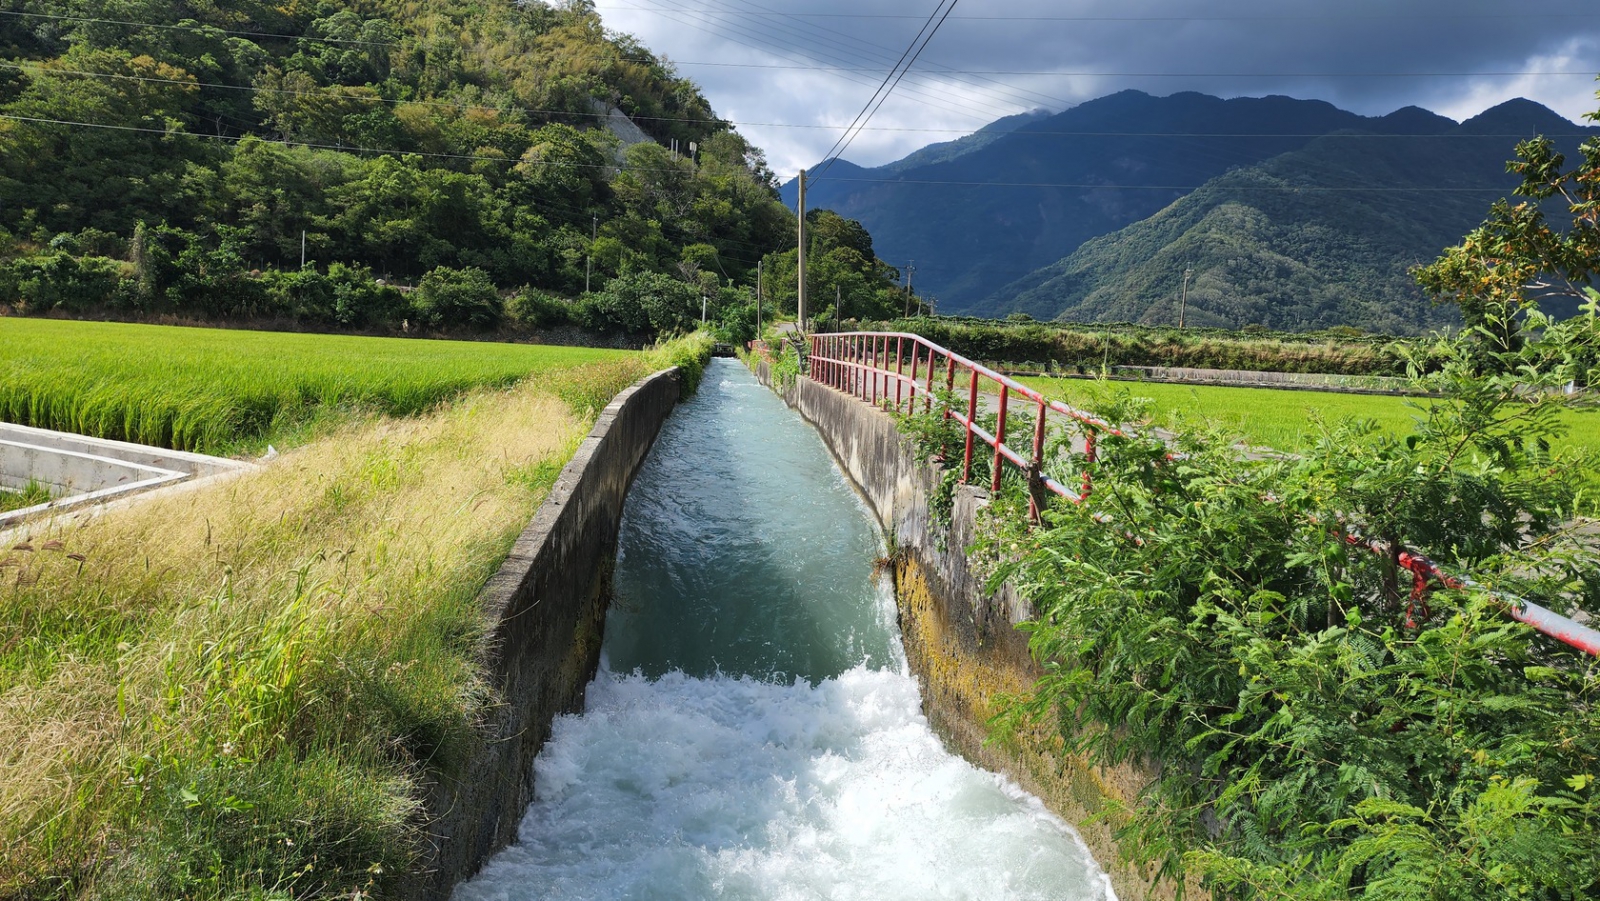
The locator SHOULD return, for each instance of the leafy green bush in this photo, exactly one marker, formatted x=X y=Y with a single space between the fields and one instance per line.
x=651 y=301
x=1323 y=731
x=59 y=281
x=449 y=297
x=532 y=308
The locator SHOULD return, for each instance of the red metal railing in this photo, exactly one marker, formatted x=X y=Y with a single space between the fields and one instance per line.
x=898 y=370
x=869 y=364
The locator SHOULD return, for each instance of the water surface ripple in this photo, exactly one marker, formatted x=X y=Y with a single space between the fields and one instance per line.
x=753 y=732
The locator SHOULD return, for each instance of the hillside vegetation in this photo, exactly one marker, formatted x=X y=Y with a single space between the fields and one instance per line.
x=1322 y=236
x=178 y=158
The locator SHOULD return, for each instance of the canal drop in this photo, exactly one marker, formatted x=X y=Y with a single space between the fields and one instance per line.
x=753 y=732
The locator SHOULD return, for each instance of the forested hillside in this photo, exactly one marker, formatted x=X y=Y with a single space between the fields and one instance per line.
x=1319 y=237
x=1024 y=193
x=178 y=157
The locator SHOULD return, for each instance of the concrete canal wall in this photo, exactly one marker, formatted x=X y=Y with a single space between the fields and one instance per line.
x=547 y=605
x=961 y=639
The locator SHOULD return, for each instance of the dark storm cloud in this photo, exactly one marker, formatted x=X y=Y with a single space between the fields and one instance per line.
x=795 y=74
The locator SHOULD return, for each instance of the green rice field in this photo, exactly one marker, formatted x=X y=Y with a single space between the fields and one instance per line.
x=219 y=391
x=1267 y=417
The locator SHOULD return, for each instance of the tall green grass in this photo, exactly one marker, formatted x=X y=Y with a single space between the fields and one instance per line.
x=243 y=691
x=1286 y=420
x=216 y=390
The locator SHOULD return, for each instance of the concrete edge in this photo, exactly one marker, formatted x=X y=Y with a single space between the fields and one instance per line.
x=545 y=610
x=960 y=638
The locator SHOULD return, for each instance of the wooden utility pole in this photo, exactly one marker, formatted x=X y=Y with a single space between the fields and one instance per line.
x=801 y=306
x=1183 y=299
x=838 y=307
x=910 y=268
x=588 y=258
x=759 y=264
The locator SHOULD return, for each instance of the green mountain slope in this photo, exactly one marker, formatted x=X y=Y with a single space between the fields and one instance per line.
x=1025 y=198
x=182 y=144
x=1322 y=236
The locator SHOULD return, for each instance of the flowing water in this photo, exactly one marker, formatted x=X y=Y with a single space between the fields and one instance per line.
x=753 y=732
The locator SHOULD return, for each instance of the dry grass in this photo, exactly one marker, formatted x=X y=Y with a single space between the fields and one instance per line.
x=233 y=690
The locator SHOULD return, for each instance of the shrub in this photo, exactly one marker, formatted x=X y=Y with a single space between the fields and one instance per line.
x=59 y=281
x=449 y=297
x=532 y=308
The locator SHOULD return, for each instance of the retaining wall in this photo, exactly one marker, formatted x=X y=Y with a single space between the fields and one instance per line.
x=547 y=605
x=960 y=639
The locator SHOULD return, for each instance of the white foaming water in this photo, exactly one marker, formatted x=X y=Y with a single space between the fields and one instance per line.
x=792 y=775
x=739 y=789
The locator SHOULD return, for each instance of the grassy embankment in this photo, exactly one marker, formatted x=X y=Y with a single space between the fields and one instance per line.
x=236 y=691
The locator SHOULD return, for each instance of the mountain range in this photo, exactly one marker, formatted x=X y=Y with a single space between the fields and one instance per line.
x=1287 y=213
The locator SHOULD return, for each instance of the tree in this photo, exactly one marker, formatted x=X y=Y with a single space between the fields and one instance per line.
x=1518 y=260
x=1325 y=730
x=448 y=298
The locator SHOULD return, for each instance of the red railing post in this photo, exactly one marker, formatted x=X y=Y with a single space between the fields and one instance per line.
x=1000 y=435
x=916 y=357
x=972 y=419
x=857 y=355
x=1090 y=455
x=949 y=380
x=899 y=369
x=1036 y=496
x=928 y=397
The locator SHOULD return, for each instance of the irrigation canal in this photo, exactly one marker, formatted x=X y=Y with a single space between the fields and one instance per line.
x=754 y=732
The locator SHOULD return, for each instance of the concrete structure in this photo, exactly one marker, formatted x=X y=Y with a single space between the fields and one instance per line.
x=82 y=472
x=546 y=608
x=961 y=639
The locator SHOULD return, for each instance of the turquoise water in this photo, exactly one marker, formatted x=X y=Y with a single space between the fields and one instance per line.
x=754 y=732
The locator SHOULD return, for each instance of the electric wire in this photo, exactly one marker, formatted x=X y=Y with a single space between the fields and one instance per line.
x=883 y=54
x=883 y=88
x=355 y=94
x=769 y=43
x=867 y=113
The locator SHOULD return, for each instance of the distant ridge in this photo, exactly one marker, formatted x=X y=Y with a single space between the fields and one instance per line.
x=1069 y=177
x=1296 y=242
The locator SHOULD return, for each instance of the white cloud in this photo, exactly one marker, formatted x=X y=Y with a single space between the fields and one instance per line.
x=805 y=71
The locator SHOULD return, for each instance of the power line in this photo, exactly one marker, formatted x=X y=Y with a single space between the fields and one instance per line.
x=1428 y=17
x=882 y=90
x=876 y=49
x=512 y=108
x=1186 y=188
x=766 y=43
x=667 y=62
x=930 y=28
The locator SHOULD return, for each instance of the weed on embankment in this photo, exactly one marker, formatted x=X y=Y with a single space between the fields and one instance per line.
x=237 y=691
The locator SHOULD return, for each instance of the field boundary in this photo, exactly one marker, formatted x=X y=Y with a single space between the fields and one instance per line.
x=1380 y=385
x=545 y=610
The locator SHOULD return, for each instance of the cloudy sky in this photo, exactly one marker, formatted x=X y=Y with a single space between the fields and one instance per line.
x=793 y=75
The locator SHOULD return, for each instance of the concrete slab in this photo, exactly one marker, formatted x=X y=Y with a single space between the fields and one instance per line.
x=88 y=472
